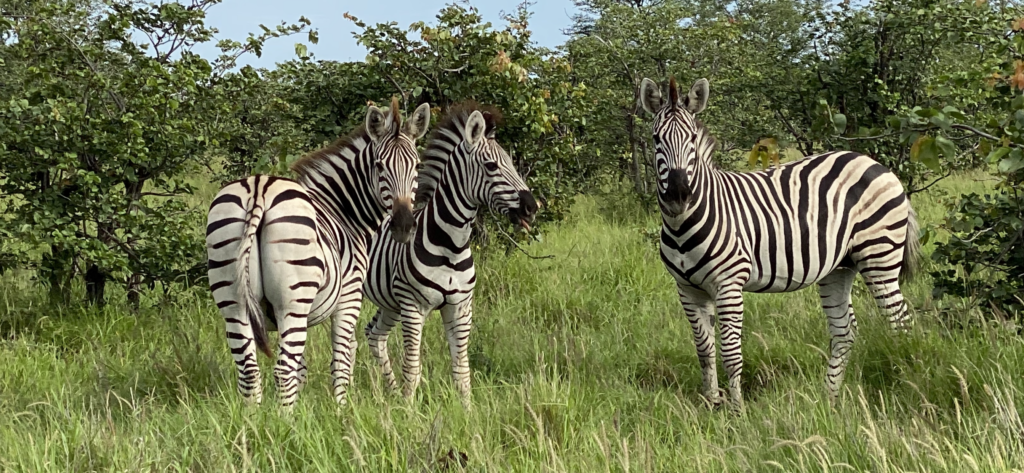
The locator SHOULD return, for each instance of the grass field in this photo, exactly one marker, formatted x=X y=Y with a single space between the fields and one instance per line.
x=582 y=362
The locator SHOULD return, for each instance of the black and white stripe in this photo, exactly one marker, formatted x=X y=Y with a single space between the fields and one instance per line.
x=464 y=169
x=296 y=250
x=820 y=220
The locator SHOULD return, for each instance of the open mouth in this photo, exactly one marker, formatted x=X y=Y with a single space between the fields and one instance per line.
x=523 y=223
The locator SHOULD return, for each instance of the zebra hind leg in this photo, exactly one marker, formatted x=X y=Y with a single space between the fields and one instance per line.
x=700 y=311
x=243 y=350
x=884 y=286
x=835 y=291
x=377 y=338
x=291 y=353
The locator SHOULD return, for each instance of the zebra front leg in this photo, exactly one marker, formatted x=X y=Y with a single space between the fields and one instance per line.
x=412 y=330
x=458 y=322
x=729 y=305
x=377 y=338
x=290 y=360
x=699 y=308
x=835 y=290
x=343 y=344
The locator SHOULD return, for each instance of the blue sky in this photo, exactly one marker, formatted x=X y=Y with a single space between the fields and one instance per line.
x=235 y=19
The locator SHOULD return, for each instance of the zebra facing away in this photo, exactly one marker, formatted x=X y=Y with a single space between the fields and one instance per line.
x=820 y=220
x=464 y=169
x=297 y=249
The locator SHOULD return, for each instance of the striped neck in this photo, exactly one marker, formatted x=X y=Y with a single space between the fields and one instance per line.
x=342 y=181
x=451 y=206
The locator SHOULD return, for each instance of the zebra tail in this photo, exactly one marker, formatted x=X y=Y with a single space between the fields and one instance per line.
x=912 y=250
x=252 y=312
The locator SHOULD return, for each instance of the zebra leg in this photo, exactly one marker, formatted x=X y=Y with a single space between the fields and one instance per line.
x=290 y=362
x=344 y=343
x=886 y=291
x=834 y=290
x=302 y=372
x=700 y=311
x=729 y=305
x=458 y=321
x=412 y=331
x=243 y=351
x=377 y=337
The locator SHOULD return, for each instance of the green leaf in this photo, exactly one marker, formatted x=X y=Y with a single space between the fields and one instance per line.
x=839 y=122
x=1013 y=163
x=946 y=147
x=300 y=50
x=997 y=154
x=941 y=121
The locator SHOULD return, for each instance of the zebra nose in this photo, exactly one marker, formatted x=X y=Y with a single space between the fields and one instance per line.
x=527 y=203
x=677 y=190
x=403 y=223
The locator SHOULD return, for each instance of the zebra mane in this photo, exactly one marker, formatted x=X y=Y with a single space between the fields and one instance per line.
x=443 y=140
x=705 y=143
x=355 y=141
x=312 y=162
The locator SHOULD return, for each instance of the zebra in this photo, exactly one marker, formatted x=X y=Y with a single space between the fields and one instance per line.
x=819 y=220
x=464 y=168
x=296 y=250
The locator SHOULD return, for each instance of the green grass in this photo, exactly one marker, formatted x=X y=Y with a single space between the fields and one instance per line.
x=582 y=362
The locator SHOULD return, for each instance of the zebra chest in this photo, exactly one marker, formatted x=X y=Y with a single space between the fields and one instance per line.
x=448 y=284
x=704 y=260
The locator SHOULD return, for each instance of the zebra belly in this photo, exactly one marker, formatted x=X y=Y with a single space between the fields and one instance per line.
x=341 y=285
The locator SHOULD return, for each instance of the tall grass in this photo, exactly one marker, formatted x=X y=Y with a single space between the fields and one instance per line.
x=582 y=362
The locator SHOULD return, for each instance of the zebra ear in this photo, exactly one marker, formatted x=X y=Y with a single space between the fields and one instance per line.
x=476 y=127
x=376 y=123
x=650 y=96
x=697 y=100
x=416 y=126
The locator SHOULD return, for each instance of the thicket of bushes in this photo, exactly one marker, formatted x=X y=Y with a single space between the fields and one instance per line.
x=105 y=114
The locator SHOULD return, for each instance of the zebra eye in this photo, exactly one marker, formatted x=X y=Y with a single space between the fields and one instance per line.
x=491 y=166
x=657 y=140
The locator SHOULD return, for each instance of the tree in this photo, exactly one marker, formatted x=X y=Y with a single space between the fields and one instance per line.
x=462 y=58
x=98 y=131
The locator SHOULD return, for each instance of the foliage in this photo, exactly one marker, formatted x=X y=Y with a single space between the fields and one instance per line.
x=98 y=131
x=462 y=58
x=987 y=242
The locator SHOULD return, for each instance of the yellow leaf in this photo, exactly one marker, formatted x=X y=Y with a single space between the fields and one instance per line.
x=752 y=160
x=915 y=149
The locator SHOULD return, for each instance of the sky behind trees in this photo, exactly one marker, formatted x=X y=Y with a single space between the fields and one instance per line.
x=235 y=19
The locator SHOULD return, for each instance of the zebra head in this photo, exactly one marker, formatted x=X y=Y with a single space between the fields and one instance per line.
x=677 y=140
x=491 y=174
x=395 y=160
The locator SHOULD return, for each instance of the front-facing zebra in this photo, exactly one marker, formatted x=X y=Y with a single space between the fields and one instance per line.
x=820 y=220
x=298 y=249
x=464 y=169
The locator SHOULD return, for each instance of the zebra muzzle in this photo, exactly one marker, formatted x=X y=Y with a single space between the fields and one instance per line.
x=403 y=224
x=677 y=191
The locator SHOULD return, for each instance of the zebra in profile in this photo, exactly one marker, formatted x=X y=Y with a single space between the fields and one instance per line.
x=463 y=170
x=820 y=220
x=297 y=249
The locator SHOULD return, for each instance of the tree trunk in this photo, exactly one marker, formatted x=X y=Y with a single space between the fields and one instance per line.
x=95 y=285
x=635 y=166
x=58 y=270
x=134 y=290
